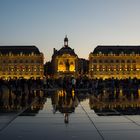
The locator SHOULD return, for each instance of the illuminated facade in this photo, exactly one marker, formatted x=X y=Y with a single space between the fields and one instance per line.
x=21 y=61
x=65 y=61
x=115 y=61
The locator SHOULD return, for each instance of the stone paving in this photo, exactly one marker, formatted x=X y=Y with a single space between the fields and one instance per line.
x=83 y=123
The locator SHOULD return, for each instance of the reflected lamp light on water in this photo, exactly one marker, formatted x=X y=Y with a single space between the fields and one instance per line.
x=73 y=94
x=61 y=93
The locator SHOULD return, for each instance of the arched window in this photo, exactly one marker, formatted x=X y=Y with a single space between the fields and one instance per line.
x=71 y=63
x=106 y=61
x=4 y=61
x=122 y=61
x=100 y=61
x=128 y=61
x=117 y=61
x=32 y=61
x=21 y=61
x=38 y=61
x=15 y=61
x=94 y=61
x=111 y=61
x=134 y=61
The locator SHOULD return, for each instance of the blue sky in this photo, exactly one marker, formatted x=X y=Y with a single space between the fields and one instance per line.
x=87 y=23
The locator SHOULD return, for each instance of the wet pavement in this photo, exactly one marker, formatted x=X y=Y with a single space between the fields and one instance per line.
x=60 y=115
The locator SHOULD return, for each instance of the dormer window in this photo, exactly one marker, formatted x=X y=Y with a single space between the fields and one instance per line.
x=100 y=52
x=10 y=53
x=122 y=52
x=32 y=53
x=111 y=52
x=21 y=53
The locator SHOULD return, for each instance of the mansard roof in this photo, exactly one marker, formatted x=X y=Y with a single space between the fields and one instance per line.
x=19 y=49
x=65 y=50
x=107 y=49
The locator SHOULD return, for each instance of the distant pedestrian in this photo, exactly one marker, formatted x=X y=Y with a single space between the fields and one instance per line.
x=73 y=81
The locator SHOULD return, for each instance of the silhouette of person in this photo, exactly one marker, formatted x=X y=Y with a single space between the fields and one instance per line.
x=66 y=118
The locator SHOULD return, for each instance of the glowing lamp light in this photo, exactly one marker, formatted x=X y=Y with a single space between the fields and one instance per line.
x=73 y=93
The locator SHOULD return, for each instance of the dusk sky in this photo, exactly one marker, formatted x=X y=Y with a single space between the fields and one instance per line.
x=87 y=23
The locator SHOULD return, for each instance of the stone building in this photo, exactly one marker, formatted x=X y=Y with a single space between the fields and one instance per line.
x=83 y=67
x=21 y=61
x=64 y=61
x=115 y=61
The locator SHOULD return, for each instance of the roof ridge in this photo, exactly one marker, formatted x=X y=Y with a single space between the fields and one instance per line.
x=17 y=49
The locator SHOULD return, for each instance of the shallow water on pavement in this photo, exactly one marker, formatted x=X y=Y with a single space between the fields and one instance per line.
x=70 y=115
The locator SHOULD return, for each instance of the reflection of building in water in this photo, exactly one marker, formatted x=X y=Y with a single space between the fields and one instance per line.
x=115 y=61
x=120 y=106
x=12 y=101
x=21 y=61
x=65 y=61
x=64 y=103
